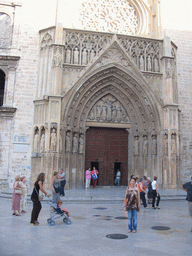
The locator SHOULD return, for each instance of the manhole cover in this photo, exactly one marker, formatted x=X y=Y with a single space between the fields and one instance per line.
x=107 y=219
x=96 y=215
x=117 y=236
x=121 y=218
x=100 y=208
x=160 y=228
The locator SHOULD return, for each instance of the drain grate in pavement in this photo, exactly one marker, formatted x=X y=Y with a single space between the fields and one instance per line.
x=160 y=228
x=117 y=236
x=96 y=215
x=100 y=208
x=121 y=218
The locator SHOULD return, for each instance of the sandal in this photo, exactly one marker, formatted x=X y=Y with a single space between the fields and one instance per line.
x=14 y=213
x=134 y=231
x=18 y=214
x=129 y=231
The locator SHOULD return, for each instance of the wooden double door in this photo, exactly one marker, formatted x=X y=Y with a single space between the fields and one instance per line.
x=107 y=150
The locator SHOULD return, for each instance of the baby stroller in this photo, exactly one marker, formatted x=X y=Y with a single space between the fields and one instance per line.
x=57 y=213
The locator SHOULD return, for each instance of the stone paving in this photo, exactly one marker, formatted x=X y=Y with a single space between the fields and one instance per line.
x=90 y=226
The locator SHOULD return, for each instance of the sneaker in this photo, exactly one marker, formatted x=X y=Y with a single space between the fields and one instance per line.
x=33 y=224
x=157 y=207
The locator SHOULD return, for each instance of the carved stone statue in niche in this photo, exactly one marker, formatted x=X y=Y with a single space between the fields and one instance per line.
x=165 y=145
x=42 y=143
x=75 y=143
x=60 y=141
x=67 y=141
x=84 y=57
x=145 y=146
x=92 y=54
x=173 y=144
x=104 y=113
x=53 y=140
x=76 y=56
x=154 y=145
x=136 y=145
x=81 y=142
x=149 y=63
x=68 y=56
x=141 y=63
x=36 y=143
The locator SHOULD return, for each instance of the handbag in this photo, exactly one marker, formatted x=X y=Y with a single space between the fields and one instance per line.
x=40 y=197
x=57 y=190
x=94 y=176
x=18 y=191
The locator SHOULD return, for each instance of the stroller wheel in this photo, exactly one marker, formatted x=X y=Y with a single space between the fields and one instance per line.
x=48 y=221
x=67 y=221
x=52 y=223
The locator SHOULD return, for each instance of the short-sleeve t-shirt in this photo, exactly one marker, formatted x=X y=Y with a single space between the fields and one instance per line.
x=188 y=186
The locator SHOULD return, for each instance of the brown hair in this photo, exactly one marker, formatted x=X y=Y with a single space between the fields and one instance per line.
x=55 y=173
x=40 y=177
x=155 y=177
x=59 y=202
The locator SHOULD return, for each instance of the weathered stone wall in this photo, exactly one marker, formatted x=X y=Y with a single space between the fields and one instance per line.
x=184 y=81
x=5 y=30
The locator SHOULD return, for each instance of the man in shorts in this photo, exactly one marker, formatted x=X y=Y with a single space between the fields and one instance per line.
x=188 y=188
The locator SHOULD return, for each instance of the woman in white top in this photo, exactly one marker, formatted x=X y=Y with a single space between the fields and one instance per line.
x=155 y=193
x=24 y=191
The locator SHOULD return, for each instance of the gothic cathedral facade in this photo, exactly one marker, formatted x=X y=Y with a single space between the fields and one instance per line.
x=102 y=92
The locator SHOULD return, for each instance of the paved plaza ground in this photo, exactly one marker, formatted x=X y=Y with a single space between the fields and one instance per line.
x=87 y=233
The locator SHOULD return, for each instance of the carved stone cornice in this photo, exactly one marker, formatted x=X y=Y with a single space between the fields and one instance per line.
x=7 y=112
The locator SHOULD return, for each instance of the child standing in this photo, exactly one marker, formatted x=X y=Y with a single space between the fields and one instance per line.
x=24 y=191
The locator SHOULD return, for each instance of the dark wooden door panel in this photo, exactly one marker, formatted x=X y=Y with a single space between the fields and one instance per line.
x=107 y=146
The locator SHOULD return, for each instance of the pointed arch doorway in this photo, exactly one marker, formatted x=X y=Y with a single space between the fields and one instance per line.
x=107 y=150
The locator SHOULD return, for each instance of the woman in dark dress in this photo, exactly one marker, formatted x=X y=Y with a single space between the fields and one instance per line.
x=150 y=194
x=38 y=185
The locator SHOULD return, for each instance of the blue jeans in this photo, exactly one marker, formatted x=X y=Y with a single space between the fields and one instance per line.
x=132 y=221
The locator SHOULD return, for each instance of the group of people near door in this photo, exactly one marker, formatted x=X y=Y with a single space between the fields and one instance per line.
x=93 y=176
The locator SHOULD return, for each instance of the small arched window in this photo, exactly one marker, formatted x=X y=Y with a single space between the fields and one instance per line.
x=2 y=86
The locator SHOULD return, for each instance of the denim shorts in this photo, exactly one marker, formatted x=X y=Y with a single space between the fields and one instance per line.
x=190 y=208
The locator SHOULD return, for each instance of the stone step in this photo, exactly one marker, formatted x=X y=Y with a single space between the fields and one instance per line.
x=102 y=195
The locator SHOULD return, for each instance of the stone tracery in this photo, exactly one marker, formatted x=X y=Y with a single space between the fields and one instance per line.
x=109 y=16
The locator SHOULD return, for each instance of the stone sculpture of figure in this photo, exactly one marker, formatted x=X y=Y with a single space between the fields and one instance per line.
x=165 y=147
x=60 y=142
x=68 y=56
x=75 y=143
x=114 y=114
x=42 y=143
x=68 y=141
x=81 y=144
x=141 y=63
x=98 y=112
x=149 y=63
x=156 y=63
x=104 y=113
x=154 y=145
x=36 y=143
x=53 y=140
x=76 y=56
x=92 y=54
x=145 y=146
x=119 y=114
x=84 y=57
x=173 y=144
x=136 y=146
